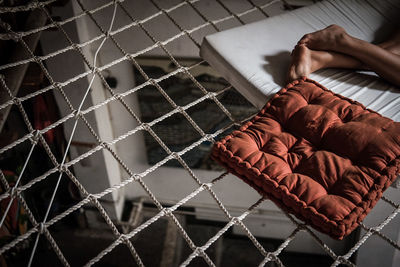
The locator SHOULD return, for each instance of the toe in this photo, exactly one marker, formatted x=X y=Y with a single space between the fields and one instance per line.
x=304 y=39
x=304 y=42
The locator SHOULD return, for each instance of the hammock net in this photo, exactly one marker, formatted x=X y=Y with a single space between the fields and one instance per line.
x=37 y=227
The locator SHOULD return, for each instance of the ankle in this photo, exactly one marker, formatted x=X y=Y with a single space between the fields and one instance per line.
x=320 y=60
x=345 y=43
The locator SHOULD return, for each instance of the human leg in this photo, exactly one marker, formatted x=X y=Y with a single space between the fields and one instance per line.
x=384 y=59
x=305 y=61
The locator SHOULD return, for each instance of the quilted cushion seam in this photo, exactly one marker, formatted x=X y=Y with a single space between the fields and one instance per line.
x=365 y=200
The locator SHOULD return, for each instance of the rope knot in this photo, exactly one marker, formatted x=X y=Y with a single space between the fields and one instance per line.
x=56 y=23
x=62 y=168
x=57 y=85
x=10 y=35
x=15 y=100
x=37 y=4
x=13 y=192
x=199 y=251
x=75 y=114
x=209 y=137
x=15 y=36
x=235 y=220
x=184 y=69
x=174 y=155
x=206 y=185
x=75 y=46
x=124 y=238
x=37 y=58
x=136 y=177
x=167 y=211
x=41 y=228
x=374 y=229
x=118 y=96
x=103 y=144
x=145 y=126
x=211 y=95
x=94 y=69
x=36 y=136
x=271 y=256
x=152 y=81
x=5 y=25
x=341 y=259
x=91 y=197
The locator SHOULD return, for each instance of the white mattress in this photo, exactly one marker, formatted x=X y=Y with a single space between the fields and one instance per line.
x=254 y=58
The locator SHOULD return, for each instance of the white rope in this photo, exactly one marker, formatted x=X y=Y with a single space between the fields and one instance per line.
x=131 y=179
x=27 y=7
x=119 y=60
x=72 y=134
x=94 y=39
x=122 y=137
x=16 y=191
x=16 y=185
x=4 y=36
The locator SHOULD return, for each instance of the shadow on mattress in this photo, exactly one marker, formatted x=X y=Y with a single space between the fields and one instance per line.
x=277 y=65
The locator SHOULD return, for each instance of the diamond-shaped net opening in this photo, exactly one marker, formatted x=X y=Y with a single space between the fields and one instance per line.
x=123 y=72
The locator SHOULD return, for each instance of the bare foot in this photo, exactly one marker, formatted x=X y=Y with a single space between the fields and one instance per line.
x=329 y=39
x=305 y=61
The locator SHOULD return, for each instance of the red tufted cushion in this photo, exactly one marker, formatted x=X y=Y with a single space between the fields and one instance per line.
x=316 y=154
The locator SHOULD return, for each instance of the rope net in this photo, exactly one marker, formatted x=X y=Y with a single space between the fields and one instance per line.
x=63 y=166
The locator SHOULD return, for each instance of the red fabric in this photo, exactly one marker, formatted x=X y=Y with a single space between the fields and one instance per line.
x=43 y=118
x=323 y=157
